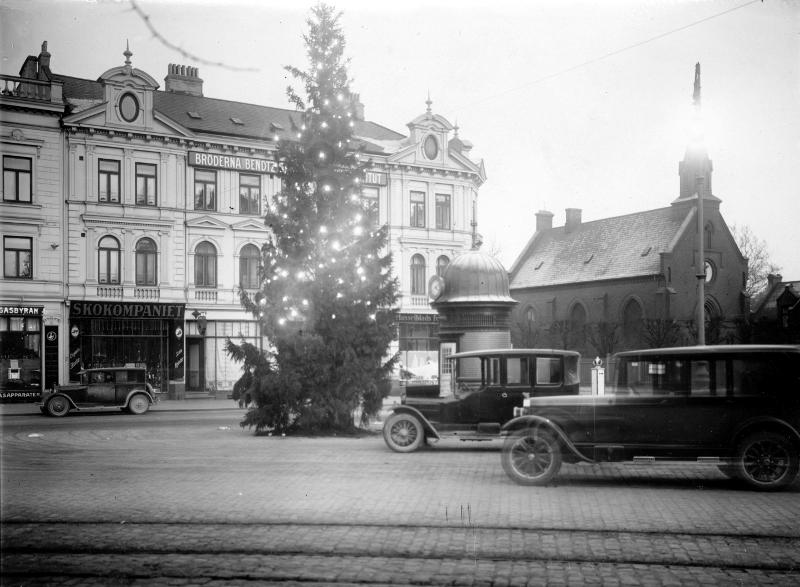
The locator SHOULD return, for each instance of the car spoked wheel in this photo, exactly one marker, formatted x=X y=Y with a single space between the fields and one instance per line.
x=531 y=458
x=58 y=406
x=767 y=461
x=138 y=404
x=403 y=433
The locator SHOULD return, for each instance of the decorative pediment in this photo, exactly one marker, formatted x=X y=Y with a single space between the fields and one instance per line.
x=104 y=116
x=250 y=224
x=206 y=223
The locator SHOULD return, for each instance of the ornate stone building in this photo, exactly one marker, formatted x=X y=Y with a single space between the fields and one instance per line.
x=132 y=214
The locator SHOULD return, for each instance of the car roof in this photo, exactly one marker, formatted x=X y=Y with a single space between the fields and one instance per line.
x=93 y=369
x=718 y=349
x=513 y=353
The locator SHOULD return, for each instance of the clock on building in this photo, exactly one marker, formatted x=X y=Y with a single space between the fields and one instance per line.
x=435 y=287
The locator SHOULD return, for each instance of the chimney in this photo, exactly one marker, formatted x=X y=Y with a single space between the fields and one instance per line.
x=358 y=107
x=773 y=278
x=573 y=219
x=182 y=79
x=544 y=220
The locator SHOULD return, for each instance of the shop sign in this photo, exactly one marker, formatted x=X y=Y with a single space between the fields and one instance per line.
x=21 y=310
x=235 y=162
x=80 y=309
x=418 y=318
x=374 y=178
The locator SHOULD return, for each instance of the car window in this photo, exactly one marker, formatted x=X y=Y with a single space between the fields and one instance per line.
x=656 y=376
x=517 y=371
x=756 y=376
x=548 y=370
x=707 y=377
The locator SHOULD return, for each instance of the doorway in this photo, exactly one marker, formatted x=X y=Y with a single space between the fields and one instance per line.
x=195 y=364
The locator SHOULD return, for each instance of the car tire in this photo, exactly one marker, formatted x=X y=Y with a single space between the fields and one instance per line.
x=532 y=457
x=138 y=404
x=403 y=433
x=767 y=460
x=58 y=406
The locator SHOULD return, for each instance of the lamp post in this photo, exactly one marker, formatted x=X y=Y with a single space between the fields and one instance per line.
x=697 y=139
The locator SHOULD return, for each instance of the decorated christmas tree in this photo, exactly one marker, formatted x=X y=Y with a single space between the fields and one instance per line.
x=327 y=292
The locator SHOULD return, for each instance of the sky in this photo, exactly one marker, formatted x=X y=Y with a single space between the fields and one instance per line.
x=570 y=104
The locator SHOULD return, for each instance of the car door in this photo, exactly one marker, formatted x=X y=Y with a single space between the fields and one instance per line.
x=101 y=387
x=507 y=382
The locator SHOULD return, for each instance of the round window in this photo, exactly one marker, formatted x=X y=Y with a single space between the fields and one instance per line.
x=431 y=147
x=129 y=107
x=710 y=271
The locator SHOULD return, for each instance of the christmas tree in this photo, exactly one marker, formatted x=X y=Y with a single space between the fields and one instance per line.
x=327 y=292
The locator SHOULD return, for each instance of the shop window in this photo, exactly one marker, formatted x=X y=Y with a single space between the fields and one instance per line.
x=17 y=179
x=18 y=257
x=146 y=262
x=146 y=184
x=249 y=194
x=443 y=211
x=108 y=254
x=108 y=181
x=441 y=264
x=205 y=190
x=248 y=267
x=418 y=209
x=20 y=337
x=371 y=207
x=205 y=265
x=418 y=275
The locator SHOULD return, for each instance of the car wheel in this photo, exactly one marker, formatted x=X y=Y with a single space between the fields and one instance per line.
x=138 y=404
x=58 y=406
x=531 y=458
x=767 y=461
x=403 y=433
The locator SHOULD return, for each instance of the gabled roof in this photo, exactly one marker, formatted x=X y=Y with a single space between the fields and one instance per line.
x=766 y=305
x=215 y=115
x=611 y=248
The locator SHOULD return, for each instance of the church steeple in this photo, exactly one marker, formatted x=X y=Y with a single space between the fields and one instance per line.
x=695 y=169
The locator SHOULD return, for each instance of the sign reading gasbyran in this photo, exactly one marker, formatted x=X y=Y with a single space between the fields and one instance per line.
x=235 y=162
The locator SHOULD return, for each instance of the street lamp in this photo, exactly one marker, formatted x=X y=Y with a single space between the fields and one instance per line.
x=201 y=321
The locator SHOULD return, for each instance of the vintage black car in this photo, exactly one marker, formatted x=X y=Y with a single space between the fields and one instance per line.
x=480 y=390
x=736 y=407
x=107 y=388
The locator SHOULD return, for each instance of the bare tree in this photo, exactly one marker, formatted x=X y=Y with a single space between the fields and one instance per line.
x=759 y=265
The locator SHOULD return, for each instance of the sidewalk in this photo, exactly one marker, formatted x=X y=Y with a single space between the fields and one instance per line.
x=166 y=405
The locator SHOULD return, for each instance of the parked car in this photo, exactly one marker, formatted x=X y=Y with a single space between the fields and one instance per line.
x=480 y=390
x=107 y=388
x=736 y=407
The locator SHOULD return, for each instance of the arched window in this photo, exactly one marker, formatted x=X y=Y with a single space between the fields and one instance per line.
x=577 y=326
x=632 y=324
x=205 y=265
x=530 y=317
x=441 y=264
x=709 y=234
x=146 y=262
x=248 y=267
x=108 y=260
x=418 y=275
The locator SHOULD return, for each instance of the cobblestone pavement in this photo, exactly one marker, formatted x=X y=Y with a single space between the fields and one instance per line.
x=101 y=502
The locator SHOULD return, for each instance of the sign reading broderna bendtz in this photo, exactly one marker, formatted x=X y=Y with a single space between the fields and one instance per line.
x=235 y=162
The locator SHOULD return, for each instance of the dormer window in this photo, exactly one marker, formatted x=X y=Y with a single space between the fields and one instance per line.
x=235 y=120
x=430 y=147
x=194 y=115
x=128 y=107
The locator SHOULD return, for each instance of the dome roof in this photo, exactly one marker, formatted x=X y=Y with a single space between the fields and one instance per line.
x=475 y=277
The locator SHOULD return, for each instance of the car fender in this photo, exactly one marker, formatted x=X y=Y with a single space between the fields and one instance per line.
x=430 y=429
x=64 y=395
x=135 y=391
x=764 y=423
x=528 y=422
